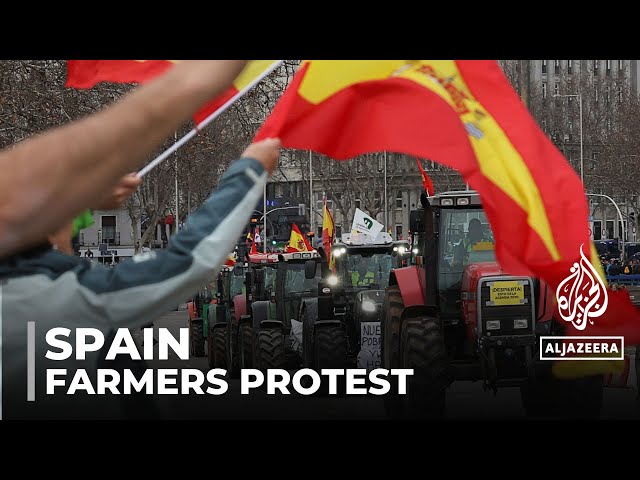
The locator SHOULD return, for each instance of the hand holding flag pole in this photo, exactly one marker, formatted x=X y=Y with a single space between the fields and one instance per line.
x=163 y=156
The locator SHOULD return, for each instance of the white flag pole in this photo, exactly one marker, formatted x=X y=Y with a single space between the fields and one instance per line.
x=207 y=121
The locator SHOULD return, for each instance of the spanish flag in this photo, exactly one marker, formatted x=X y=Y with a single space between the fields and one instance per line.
x=328 y=233
x=466 y=115
x=87 y=73
x=297 y=241
x=427 y=184
x=231 y=260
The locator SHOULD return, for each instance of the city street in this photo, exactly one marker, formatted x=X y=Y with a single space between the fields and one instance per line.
x=465 y=400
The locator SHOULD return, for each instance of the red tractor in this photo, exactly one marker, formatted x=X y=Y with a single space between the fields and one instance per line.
x=456 y=315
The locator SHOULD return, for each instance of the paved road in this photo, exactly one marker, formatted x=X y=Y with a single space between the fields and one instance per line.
x=465 y=400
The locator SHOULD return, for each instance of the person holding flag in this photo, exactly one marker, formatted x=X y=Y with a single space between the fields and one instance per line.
x=130 y=295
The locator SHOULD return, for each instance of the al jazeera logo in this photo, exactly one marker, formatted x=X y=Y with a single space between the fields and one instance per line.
x=582 y=298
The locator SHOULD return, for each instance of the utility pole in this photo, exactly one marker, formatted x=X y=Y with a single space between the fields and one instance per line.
x=311 y=210
x=264 y=223
x=386 y=207
x=176 y=219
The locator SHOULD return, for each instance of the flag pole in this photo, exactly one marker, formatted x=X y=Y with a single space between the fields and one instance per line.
x=154 y=163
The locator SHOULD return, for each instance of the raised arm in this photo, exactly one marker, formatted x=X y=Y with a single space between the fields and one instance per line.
x=48 y=179
x=136 y=292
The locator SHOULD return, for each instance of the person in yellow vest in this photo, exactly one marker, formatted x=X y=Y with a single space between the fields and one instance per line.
x=475 y=239
x=361 y=275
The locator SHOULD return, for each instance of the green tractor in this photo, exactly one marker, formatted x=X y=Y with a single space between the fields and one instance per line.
x=277 y=334
x=221 y=329
x=198 y=309
x=341 y=326
x=257 y=303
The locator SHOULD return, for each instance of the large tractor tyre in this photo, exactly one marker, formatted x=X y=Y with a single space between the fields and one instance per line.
x=219 y=349
x=330 y=351
x=232 y=350
x=246 y=346
x=197 y=338
x=422 y=348
x=269 y=349
x=389 y=347
x=549 y=397
x=309 y=316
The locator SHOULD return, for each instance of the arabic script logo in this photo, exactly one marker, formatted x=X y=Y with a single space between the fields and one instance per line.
x=582 y=295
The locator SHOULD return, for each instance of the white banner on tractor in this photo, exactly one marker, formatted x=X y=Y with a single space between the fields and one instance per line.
x=363 y=223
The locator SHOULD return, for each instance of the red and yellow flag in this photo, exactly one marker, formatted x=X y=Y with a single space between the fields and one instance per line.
x=426 y=181
x=297 y=241
x=87 y=73
x=328 y=233
x=463 y=114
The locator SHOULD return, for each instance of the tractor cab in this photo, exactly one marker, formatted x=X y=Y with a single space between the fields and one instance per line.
x=362 y=269
x=349 y=305
x=298 y=276
x=457 y=312
x=260 y=278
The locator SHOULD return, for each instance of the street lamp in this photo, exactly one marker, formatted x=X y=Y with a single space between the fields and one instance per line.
x=579 y=97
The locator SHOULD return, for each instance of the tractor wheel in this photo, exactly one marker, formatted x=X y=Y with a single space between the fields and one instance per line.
x=210 y=347
x=219 y=348
x=547 y=396
x=269 y=351
x=197 y=338
x=389 y=347
x=423 y=350
x=246 y=346
x=232 y=348
x=330 y=351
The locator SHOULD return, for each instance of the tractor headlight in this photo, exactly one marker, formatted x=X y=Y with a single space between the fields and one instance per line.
x=415 y=251
x=402 y=250
x=493 y=325
x=520 y=323
x=368 y=306
x=337 y=252
x=332 y=280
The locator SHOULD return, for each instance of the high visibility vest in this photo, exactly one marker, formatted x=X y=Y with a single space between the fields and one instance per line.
x=356 y=281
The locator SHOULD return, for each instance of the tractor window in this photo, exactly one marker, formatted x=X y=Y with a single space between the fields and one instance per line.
x=465 y=237
x=269 y=278
x=295 y=281
x=369 y=271
x=237 y=285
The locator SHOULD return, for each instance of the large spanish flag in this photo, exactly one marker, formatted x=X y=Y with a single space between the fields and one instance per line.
x=87 y=73
x=463 y=114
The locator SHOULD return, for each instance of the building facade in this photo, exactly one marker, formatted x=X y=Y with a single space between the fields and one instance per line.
x=110 y=239
x=559 y=90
